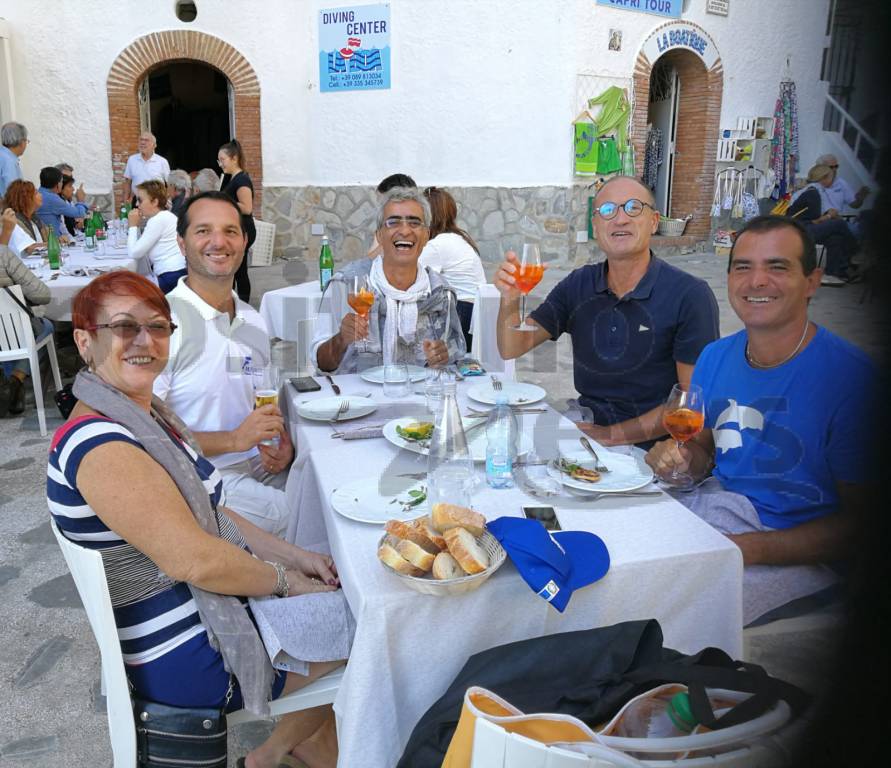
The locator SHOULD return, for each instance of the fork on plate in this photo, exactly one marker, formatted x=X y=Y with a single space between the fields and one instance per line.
x=496 y=383
x=341 y=411
x=600 y=467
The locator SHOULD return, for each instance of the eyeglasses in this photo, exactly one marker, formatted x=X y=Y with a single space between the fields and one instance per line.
x=632 y=207
x=413 y=222
x=125 y=329
x=834 y=167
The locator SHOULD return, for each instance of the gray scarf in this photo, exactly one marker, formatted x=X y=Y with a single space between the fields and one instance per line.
x=224 y=617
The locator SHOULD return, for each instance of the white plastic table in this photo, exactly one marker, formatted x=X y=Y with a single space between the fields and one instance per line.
x=665 y=563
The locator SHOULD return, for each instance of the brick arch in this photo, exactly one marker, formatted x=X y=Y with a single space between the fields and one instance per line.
x=699 y=116
x=151 y=51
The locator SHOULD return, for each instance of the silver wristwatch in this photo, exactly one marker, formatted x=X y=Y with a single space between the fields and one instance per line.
x=281 y=581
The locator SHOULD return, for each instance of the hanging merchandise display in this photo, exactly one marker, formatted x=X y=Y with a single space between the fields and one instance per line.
x=613 y=117
x=628 y=160
x=585 y=144
x=784 y=148
x=653 y=157
x=608 y=160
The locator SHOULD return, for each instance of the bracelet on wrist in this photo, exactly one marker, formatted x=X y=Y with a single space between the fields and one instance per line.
x=281 y=580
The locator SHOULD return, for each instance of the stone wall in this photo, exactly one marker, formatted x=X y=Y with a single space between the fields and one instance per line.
x=498 y=218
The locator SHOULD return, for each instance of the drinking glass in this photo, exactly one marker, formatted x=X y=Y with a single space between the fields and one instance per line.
x=528 y=275
x=683 y=418
x=433 y=390
x=266 y=386
x=361 y=299
x=396 y=381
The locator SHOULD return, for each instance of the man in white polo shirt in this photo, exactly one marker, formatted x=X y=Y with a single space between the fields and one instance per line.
x=207 y=381
x=144 y=165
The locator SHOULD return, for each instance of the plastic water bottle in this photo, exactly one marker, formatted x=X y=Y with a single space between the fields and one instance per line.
x=501 y=444
x=661 y=716
x=449 y=464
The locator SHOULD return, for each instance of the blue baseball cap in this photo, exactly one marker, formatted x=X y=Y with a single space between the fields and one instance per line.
x=552 y=564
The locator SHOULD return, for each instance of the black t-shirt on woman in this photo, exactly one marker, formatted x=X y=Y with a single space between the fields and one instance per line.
x=231 y=185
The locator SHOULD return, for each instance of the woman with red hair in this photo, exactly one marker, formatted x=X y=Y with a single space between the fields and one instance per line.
x=24 y=198
x=125 y=477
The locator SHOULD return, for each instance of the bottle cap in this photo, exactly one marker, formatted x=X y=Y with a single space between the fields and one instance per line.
x=680 y=713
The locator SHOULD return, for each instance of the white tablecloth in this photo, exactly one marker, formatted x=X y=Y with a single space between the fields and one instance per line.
x=290 y=314
x=63 y=286
x=665 y=564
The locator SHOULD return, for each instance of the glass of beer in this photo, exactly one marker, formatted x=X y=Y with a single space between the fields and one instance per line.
x=527 y=276
x=361 y=299
x=683 y=418
x=266 y=386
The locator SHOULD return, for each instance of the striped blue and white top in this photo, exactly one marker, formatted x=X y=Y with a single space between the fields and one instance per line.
x=154 y=614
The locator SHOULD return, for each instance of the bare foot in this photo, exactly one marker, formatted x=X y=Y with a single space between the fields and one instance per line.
x=320 y=749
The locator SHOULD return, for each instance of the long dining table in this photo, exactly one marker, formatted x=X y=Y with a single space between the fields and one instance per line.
x=665 y=563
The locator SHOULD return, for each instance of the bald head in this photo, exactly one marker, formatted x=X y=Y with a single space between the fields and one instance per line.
x=630 y=185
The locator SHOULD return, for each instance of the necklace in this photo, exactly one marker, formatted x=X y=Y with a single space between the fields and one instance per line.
x=786 y=359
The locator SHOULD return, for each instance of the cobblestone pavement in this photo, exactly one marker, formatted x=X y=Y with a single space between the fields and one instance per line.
x=52 y=710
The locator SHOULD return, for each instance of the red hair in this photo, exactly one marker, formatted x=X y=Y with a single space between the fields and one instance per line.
x=89 y=300
x=20 y=195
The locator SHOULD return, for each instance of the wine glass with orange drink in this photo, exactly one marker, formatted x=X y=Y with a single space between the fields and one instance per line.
x=529 y=273
x=683 y=418
x=361 y=299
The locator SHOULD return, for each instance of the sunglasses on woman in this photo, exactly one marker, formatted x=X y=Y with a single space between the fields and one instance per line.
x=129 y=330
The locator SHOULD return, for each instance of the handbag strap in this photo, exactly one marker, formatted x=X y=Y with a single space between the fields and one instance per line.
x=15 y=298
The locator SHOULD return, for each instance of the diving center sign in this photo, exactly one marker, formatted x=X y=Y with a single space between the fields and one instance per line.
x=354 y=48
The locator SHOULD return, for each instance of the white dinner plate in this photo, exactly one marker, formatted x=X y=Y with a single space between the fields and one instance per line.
x=376 y=375
x=517 y=392
x=325 y=408
x=476 y=441
x=376 y=500
x=627 y=472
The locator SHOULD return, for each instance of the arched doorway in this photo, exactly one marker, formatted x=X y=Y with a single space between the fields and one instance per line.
x=678 y=84
x=143 y=58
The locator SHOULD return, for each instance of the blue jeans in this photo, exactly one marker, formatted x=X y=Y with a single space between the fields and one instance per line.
x=840 y=244
x=24 y=365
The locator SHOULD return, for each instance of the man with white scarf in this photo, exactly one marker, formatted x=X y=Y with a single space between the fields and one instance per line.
x=414 y=317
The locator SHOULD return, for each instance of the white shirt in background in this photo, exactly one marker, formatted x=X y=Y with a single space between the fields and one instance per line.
x=454 y=258
x=20 y=239
x=139 y=169
x=158 y=242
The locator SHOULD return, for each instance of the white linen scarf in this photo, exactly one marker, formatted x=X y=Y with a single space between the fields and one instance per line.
x=402 y=307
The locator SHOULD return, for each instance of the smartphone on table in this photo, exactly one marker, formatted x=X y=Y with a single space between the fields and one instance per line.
x=545 y=515
x=305 y=384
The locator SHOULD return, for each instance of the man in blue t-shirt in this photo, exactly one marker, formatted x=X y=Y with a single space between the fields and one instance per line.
x=637 y=323
x=786 y=408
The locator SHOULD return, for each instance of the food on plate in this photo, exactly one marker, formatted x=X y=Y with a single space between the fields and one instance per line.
x=446 y=567
x=417 y=556
x=586 y=475
x=424 y=525
x=415 y=430
x=388 y=554
x=464 y=547
x=444 y=516
x=413 y=532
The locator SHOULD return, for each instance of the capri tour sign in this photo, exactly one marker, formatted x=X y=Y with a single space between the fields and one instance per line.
x=354 y=48
x=681 y=35
x=671 y=8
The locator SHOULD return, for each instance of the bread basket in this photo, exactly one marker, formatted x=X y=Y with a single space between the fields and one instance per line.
x=427 y=585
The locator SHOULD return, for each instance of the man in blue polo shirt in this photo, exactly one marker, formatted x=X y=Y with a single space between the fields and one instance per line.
x=54 y=207
x=787 y=407
x=637 y=323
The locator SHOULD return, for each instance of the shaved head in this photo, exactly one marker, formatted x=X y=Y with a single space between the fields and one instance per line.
x=646 y=195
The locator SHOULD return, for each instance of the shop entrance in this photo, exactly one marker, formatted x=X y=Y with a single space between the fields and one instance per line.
x=662 y=120
x=188 y=106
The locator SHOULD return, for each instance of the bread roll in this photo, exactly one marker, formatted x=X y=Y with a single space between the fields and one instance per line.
x=389 y=556
x=412 y=533
x=446 y=567
x=464 y=547
x=417 y=556
x=424 y=525
x=445 y=516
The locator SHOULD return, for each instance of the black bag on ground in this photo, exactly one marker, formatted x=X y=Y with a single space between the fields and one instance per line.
x=591 y=674
x=178 y=736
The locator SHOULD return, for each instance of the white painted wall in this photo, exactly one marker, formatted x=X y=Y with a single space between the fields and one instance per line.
x=482 y=94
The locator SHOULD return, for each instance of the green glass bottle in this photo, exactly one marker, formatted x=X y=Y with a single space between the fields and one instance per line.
x=326 y=264
x=89 y=234
x=53 y=249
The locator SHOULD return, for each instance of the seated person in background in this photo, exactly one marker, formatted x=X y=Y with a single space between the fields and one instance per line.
x=24 y=198
x=206 y=180
x=53 y=206
x=824 y=225
x=14 y=272
x=218 y=343
x=452 y=252
x=68 y=194
x=393 y=180
x=838 y=194
x=158 y=240
x=637 y=323
x=413 y=310
x=786 y=437
x=179 y=187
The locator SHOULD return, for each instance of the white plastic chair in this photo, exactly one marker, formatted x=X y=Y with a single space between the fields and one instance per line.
x=483 y=326
x=89 y=578
x=261 y=250
x=17 y=343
